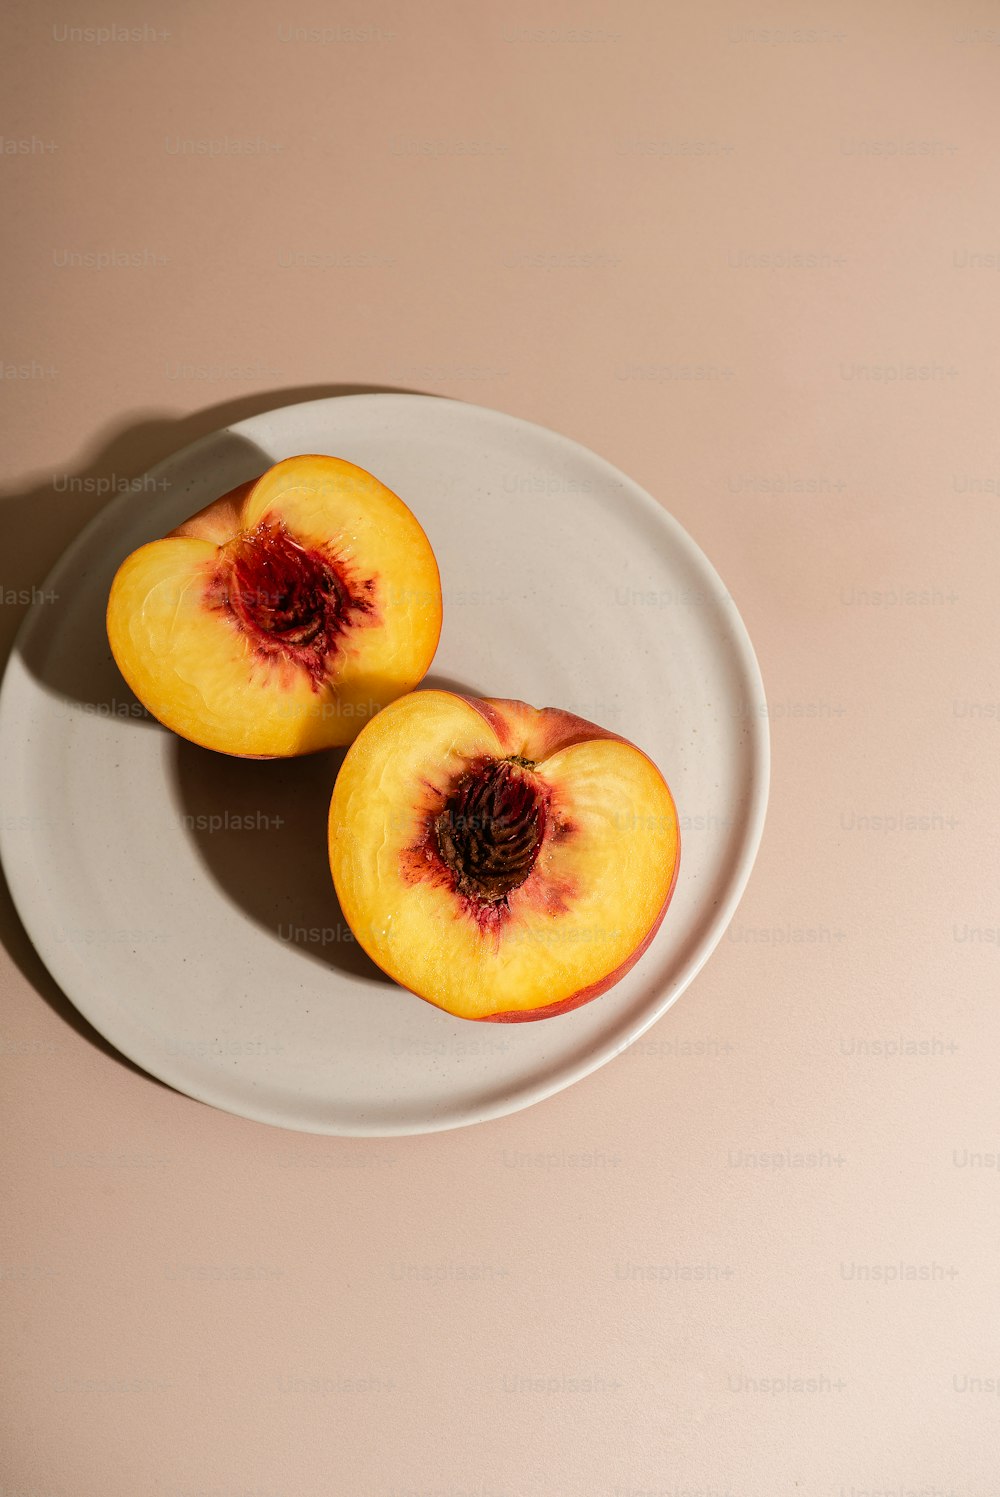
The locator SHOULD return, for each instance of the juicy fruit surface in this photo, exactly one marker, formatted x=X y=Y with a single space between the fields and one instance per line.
x=282 y=617
x=503 y=862
x=290 y=602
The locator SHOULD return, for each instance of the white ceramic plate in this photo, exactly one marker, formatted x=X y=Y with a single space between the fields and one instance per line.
x=182 y=899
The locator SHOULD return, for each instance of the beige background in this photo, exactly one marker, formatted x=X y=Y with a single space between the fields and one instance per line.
x=748 y=253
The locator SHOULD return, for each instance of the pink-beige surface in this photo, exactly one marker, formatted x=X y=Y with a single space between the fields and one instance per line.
x=749 y=254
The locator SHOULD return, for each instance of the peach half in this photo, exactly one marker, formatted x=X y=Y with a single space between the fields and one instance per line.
x=503 y=862
x=282 y=617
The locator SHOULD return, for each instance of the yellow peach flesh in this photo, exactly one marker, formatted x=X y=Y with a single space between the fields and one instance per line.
x=597 y=888
x=186 y=649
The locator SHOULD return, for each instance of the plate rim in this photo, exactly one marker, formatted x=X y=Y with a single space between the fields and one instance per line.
x=15 y=861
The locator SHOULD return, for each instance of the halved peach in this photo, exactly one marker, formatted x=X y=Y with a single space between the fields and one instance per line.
x=503 y=862
x=283 y=616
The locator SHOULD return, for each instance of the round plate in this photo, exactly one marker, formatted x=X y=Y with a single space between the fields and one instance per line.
x=182 y=899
